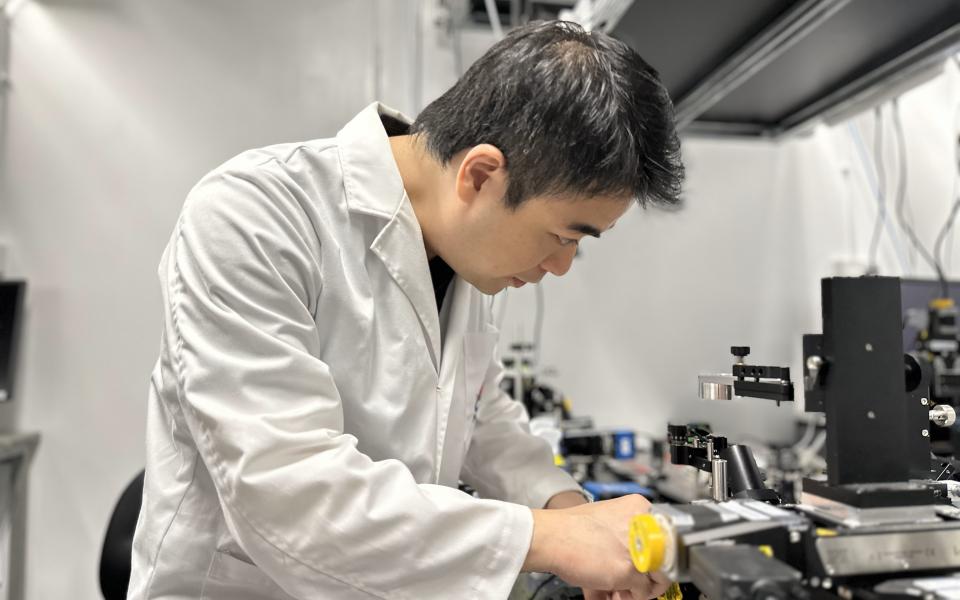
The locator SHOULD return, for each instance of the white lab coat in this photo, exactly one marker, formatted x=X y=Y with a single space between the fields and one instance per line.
x=306 y=427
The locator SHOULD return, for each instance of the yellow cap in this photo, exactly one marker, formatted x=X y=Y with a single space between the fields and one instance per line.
x=941 y=303
x=765 y=549
x=824 y=532
x=648 y=543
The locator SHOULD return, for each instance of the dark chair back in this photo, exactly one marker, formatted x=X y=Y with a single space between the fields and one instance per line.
x=118 y=543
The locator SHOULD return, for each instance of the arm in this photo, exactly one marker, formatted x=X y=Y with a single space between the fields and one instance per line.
x=242 y=276
x=505 y=460
x=586 y=545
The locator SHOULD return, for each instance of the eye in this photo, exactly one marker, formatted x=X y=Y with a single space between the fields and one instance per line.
x=565 y=241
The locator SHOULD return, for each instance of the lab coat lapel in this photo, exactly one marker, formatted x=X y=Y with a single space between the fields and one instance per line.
x=373 y=186
x=451 y=424
x=400 y=247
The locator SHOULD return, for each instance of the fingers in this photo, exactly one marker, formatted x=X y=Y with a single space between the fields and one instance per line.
x=660 y=583
x=656 y=585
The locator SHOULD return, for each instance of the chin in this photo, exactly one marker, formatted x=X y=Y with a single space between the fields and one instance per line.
x=490 y=288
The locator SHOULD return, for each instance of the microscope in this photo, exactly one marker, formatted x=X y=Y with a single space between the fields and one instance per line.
x=882 y=523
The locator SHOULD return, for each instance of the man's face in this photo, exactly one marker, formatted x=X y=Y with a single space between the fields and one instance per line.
x=496 y=247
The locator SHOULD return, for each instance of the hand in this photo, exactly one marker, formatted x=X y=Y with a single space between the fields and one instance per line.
x=587 y=545
x=658 y=586
x=658 y=583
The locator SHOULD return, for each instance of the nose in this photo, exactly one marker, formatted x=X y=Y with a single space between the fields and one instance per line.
x=560 y=261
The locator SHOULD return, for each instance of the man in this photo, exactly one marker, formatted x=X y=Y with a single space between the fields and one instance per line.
x=328 y=371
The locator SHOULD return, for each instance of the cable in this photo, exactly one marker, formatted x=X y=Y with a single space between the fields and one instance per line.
x=868 y=174
x=536 y=593
x=501 y=307
x=456 y=42
x=947 y=226
x=956 y=182
x=808 y=433
x=954 y=208
x=377 y=52
x=881 y=190
x=538 y=326
x=494 y=19
x=902 y=195
x=418 y=58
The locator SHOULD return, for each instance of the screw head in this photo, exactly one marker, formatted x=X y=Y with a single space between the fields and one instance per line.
x=924 y=401
x=869 y=347
x=871 y=414
x=925 y=433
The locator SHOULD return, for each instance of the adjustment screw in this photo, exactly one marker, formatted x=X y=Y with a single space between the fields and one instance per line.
x=924 y=401
x=925 y=433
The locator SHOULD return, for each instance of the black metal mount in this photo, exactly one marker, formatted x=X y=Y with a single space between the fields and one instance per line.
x=692 y=444
x=760 y=381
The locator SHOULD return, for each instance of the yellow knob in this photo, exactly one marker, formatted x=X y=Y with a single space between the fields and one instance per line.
x=941 y=303
x=648 y=543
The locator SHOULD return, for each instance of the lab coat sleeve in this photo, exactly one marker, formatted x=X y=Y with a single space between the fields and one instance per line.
x=504 y=459
x=314 y=513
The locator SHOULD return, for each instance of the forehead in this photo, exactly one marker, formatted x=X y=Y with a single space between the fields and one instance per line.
x=600 y=212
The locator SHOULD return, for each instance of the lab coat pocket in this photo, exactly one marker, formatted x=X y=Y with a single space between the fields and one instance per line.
x=478 y=354
x=231 y=578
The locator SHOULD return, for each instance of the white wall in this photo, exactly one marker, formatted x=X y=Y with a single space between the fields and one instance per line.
x=119 y=106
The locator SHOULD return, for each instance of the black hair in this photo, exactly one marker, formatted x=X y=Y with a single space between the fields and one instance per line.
x=575 y=113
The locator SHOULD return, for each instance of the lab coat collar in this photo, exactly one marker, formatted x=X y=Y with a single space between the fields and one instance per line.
x=373 y=186
x=370 y=175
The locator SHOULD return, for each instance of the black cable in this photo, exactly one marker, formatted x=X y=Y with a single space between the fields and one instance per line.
x=902 y=195
x=536 y=593
x=881 y=191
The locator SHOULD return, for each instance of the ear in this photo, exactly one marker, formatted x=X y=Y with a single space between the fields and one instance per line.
x=482 y=172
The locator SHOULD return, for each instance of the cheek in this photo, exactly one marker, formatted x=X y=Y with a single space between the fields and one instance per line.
x=508 y=248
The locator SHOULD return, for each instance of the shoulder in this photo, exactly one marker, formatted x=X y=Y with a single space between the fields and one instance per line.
x=286 y=183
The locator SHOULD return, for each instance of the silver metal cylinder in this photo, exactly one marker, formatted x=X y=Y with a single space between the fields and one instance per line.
x=718 y=487
x=716 y=387
x=943 y=415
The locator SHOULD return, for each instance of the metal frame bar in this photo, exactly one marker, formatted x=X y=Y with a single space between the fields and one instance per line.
x=896 y=73
x=720 y=129
x=784 y=32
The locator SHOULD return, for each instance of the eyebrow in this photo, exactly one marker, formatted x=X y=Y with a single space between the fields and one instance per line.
x=585 y=229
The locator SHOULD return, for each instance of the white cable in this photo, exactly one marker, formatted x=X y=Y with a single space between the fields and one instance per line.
x=807 y=437
x=809 y=454
x=377 y=53
x=494 y=19
x=500 y=308
x=456 y=42
x=874 y=189
x=597 y=14
x=538 y=326
x=418 y=59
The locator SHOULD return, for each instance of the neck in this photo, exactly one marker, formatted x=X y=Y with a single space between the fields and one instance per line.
x=422 y=180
